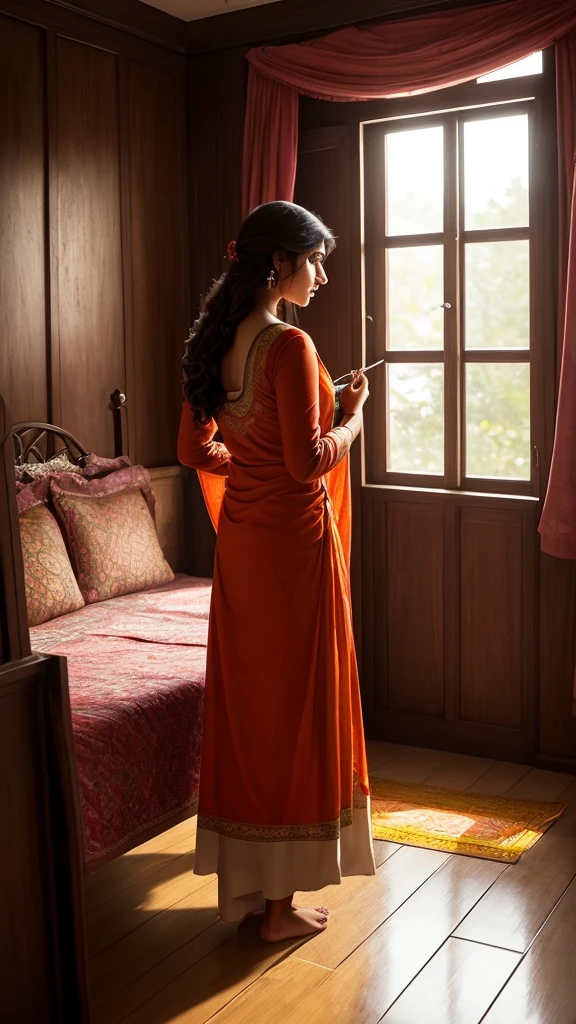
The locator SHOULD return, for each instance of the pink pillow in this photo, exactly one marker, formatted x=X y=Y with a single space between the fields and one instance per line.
x=111 y=537
x=38 y=492
x=51 y=588
x=96 y=465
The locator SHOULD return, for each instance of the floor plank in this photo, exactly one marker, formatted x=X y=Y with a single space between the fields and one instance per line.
x=352 y=920
x=148 y=959
x=154 y=940
x=460 y=773
x=383 y=850
x=539 y=784
x=543 y=988
x=500 y=778
x=140 y=869
x=125 y=996
x=272 y=997
x=457 y=985
x=157 y=843
x=366 y=984
x=406 y=764
x=408 y=944
x=518 y=904
x=139 y=903
x=207 y=987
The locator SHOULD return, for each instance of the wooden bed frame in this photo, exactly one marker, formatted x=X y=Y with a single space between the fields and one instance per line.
x=45 y=440
x=41 y=856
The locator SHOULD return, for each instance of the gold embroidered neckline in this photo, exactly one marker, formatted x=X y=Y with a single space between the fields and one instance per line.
x=249 y=358
x=238 y=407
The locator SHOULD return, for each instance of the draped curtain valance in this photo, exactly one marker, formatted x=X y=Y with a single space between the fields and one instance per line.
x=420 y=55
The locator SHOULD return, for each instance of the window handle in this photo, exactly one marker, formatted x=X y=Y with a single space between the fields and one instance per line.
x=445 y=305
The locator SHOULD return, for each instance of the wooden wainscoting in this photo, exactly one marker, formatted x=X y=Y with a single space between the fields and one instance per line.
x=94 y=227
x=449 y=616
x=167 y=488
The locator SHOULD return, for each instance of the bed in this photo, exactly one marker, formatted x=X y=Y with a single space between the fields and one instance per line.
x=136 y=666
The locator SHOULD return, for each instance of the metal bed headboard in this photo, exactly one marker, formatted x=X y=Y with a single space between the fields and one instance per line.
x=28 y=437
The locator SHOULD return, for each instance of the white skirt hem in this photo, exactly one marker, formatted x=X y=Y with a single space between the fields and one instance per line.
x=249 y=873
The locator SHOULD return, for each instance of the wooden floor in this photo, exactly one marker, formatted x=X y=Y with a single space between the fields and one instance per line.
x=432 y=938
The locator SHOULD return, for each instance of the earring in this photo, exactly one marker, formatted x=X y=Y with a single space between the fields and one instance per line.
x=271 y=279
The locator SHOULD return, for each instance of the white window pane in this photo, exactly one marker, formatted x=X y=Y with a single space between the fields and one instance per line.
x=496 y=173
x=498 y=420
x=497 y=313
x=416 y=418
x=531 y=65
x=415 y=293
x=414 y=200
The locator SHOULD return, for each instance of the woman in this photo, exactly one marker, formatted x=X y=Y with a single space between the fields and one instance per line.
x=284 y=801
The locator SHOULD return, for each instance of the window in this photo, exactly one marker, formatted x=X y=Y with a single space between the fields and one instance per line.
x=450 y=270
x=531 y=65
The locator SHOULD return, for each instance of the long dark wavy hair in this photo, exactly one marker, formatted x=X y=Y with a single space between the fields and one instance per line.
x=270 y=228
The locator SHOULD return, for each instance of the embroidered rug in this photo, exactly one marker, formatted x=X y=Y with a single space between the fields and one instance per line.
x=493 y=827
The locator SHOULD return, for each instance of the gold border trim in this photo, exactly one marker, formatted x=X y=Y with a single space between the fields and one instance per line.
x=324 y=830
x=276 y=833
x=240 y=407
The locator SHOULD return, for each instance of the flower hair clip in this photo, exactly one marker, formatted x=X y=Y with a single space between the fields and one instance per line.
x=231 y=252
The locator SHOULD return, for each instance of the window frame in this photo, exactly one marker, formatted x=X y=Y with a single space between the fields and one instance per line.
x=472 y=101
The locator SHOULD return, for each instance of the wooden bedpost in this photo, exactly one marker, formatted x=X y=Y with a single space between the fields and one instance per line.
x=42 y=931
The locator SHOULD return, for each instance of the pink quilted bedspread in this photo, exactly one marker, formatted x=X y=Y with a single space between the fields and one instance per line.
x=136 y=670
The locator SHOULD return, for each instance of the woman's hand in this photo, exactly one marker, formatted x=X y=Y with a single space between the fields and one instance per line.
x=353 y=397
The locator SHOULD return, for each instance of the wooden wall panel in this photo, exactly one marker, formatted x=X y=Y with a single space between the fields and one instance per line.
x=448 y=618
x=557 y=656
x=216 y=101
x=89 y=354
x=491 y=616
x=93 y=228
x=168 y=490
x=216 y=97
x=158 y=215
x=22 y=233
x=414 y=584
x=323 y=185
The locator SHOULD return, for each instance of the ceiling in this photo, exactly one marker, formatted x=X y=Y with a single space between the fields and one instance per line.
x=191 y=10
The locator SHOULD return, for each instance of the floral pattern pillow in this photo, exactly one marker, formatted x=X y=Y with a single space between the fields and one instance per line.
x=124 y=479
x=51 y=588
x=112 y=540
x=30 y=471
x=97 y=466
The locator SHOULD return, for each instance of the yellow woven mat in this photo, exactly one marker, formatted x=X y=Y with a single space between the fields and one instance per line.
x=475 y=824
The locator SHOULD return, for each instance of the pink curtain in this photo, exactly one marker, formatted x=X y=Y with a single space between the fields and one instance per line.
x=558 y=522
x=390 y=59
x=271 y=129
x=415 y=56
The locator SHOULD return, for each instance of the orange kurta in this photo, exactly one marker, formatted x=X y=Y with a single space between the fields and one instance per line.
x=283 y=753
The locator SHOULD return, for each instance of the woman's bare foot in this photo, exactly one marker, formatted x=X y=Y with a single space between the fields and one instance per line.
x=284 y=920
x=321 y=910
